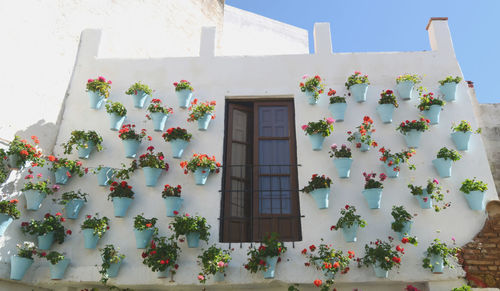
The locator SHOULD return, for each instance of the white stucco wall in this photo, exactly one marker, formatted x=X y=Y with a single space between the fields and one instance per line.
x=214 y=78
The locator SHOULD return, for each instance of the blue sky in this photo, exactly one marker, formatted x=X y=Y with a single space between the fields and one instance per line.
x=368 y=25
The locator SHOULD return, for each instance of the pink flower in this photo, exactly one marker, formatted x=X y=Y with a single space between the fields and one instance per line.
x=330 y=120
x=201 y=278
x=333 y=146
x=90 y=80
x=435 y=181
x=220 y=264
x=305 y=77
x=39 y=175
x=109 y=82
x=304 y=127
x=102 y=79
x=357 y=73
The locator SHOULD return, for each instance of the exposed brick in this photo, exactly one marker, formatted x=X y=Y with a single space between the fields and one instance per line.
x=492 y=268
x=481 y=262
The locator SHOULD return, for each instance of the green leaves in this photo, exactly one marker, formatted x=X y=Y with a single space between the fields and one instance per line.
x=135 y=88
x=472 y=185
x=447 y=154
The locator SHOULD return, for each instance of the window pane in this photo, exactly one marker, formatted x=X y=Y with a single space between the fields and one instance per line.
x=273 y=153
x=240 y=119
x=274 y=195
x=273 y=121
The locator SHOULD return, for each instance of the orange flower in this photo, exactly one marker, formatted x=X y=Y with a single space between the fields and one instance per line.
x=51 y=158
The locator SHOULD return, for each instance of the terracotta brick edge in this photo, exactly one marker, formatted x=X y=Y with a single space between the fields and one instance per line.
x=434 y=18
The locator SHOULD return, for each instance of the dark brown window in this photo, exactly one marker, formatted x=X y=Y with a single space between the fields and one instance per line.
x=260 y=189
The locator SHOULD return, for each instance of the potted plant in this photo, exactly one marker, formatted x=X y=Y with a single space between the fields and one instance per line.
x=363 y=135
x=4 y=167
x=144 y=229
x=122 y=196
x=21 y=262
x=104 y=175
x=319 y=188
x=172 y=197
x=461 y=135
x=474 y=192
x=20 y=152
x=342 y=160
x=402 y=221
x=213 y=261
x=393 y=162
x=405 y=84
x=431 y=107
x=117 y=114
x=73 y=202
x=93 y=229
x=373 y=189
x=178 y=139
x=85 y=143
x=317 y=131
x=462 y=288
x=184 y=92
x=448 y=87
x=8 y=212
x=437 y=256
x=111 y=262
x=426 y=196
x=139 y=93
x=313 y=87
x=387 y=104
x=337 y=105
x=443 y=161
x=357 y=84
x=58 y=264
x=202 y=112
x=349 y=222
x=36 y=192
x=161 y=256
x=131 y=139
x=266 y=256
x=98 y=90
x=47 y=230
x=201 y=165
x=159 y=114
x=194 y=228
x=412 y=131
x=152 y=165
x=382 y=256
x=64 y=169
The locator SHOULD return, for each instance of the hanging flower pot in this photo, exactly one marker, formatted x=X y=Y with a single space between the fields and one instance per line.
x=201 y=175
x=85 y=142
x=193 y=239
x=359 y=92
x=151 y=175
x=84 y=151
x=317 y=131
x=131 y=147
x=362 y=146
x=62 y=175
x=178 y=147
x=96 y=100
x=476 y=200
x=312 y=88
x=159 y=120
x=373 y=197
x=139 y=99
x=93 y=228
x=343 y=166
x=57 y=270
x=114 y=268
x=379 y=271
x=311 y=99
x=13 y=162
x=448 y=87
x=433 y=113
x=412 y=138
x=18 y=267
x=392 y=171
x=5 y=221
x=424 y=200
x=98 y=90
x=219 y=277
x=143 y=237
x=117 y=114
x=105 y=175
x=385 y=112
x=121 y=205
x=321 y=197
x=204 y=121
x=431 y=107
x=73 y=207
x=201 y=165
x=163 y=274
x=139 y=93
x=173 y=204
x=45 y=241
x=184 y=97
x=159 y=114
x=443 y=167
x=116 y=121
x=317 y=140
x=405 y=231
x=405 y=89
x=271 y=267
x=461 y=139
x=178 y=139
x=34 y=199
x=338 y=111
x=350 y=232
x=90 y=239
x=152 y=165
x=437 y=264
x=202 y=113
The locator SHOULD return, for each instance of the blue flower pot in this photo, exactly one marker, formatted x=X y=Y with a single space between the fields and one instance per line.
x=18 y=267
x=317 y=140
x=178 y=147
x=173 y=204
x=449 y=91
x=61 y=175
x=45 y=241
x=385 y=112
x=116 y=121
x=13 y=162
x=343 y=166
x=443 y=167
x=193 y=239
x=461 y=140
x=159 y=119
x=90 y=239
x=34 y=199
x=379 y=272
x=271 y=267
x=412 y=138
x=131 y=147
x=105 y=175
x=475 y=199
x=143 y=237
x=437 y=264
x=389 y=170
x=405 y=89
x=338 y=111
x=84 y=152
x=163 y=274
x=184 y=97
x=57 y=271
x=424 y=200
x=201 y=175
x=121 y=205
x=364 y=147
x=373 y=197
x=139 y=99
x=350 y=232
x=310 y=98
x=5 y=221
x=151 y=175
x=219 y=277
x=405 y=231
x=113 y=269
x=73 y=207
x=96 y=99
x=359 y=92
x=321 y=197
x=204 y=121
x=433 y=114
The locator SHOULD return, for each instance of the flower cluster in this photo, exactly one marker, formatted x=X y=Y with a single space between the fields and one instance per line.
x=184 y=224
x=438 y=248
x=9 y=207
x=427 y=100
x=141 y=223
x=183 y=85
x=53 y=257
x=371 y=183
x=116 y=107
x=72 y=167
x=401 y=216
x=317 y=182
x=26 y=250
x=348 y=218
x=356 y=78
x=109 y=255
x=388 y=97
x=23 y=151
x=409 y=77
x=312 y=85
x=66 y=197
x=81 y=139
x=99 y=225
x=464 y=126
x=156 y=106
x=41 y=186
x=122 y=189
x=396 y=159
x=447 y=154
x=343 y=152
x=170 y=191
x=335 y=99
x=174 y=133
x=418 y=125
x=363 y=133
x=323 y=127
x=212 y=261
x=434 y=192
x=99 y=85
x=200 y=110
x=139 y=87
x=128 y=132
x=160 y=254
x=153 y=160
x=201 y=161
x=450 y=79
x=50 y=223
x=270 y=247
x=382 y=254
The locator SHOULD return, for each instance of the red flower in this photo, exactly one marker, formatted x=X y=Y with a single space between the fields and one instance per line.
x=43 y=254
x=144 y=255
x=88 y=216
x=318 y=282
x=69 y=232
x=405 y=240
x=62 y=219
x=162 y=262
x=176 y=266
x=14 y=201
x=332 y=227
x=149 y=225
x=351 y=254
x=346 y=206
x=396 y=260
x=312 y=248
x=336 y=264
x=58 y=214
x=153 y=252
x=47 y=215
x=304 y=251
x=262 y=262
x=176 y=212
x=307 y=264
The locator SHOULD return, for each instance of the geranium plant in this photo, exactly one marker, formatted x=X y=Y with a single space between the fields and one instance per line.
x=201 y=161
x=317 y=182
x=73 y=167
x=184 y=224
x=49 y=223
x=342 y=152
x=99 y=85
x=382 y=254
x=409 y=77
x=356 y=78
x=447 y=154
x=464 y=126
x=116 y=107
x=122 y=189
x=20 y=152
x=427 y=100
x=388 y=97
x=212 y=261
x=66 y=197
x=363 y=133
x=313 y=85
x=42 y=186
x=9 y=207
x=183 y=85
x=98 y=225
x=142 y=223
x=396 y=159
x=170 y=191
x=472 y=185
x=53 y=257
x=161 y=253
x=128 y=132
x=26 y=250
x=109 y=255
x=81 y=139
x=270 y=247
x=152 y=160
x=433 y=190
x=199 y=110
x=335 y=99
x=136 y=87
x=440 y=249
x=174 y=133
x=419 y=125
x=324 y=127
x=371 y=182
x=401 y=218
x=348 y=218
x=450 y=79
x=156 y=106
